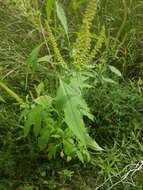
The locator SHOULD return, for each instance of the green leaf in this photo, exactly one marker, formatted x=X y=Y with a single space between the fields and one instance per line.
x=72 y=116
x=108 y=80
x=34 y=119
x=93 y=144
x=115 y=70
x=74 y=120
x=49 y=7
x=40 y=88
x=45 y=101
x=44 y=138
x=52 y=150
x=79 y=81
x=33 y=58
x=46 y=58
x=62 y=17
x=69 y=148
x=80 y=156
x=74 y=108
x=87 y=113
x=61 y=99
x=83 y=107
x=1 y=99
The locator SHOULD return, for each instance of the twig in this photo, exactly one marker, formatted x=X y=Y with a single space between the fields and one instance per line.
x=136 y=167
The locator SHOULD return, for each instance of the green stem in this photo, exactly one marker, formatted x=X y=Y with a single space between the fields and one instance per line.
x=124 y=19
x=11 y=93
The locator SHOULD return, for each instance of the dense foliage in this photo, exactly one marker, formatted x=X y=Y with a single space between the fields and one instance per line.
x=71 y=94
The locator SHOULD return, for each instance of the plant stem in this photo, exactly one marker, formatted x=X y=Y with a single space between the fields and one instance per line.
x=11 y=93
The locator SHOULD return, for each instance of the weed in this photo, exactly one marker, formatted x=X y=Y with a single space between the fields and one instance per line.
x=75 y=70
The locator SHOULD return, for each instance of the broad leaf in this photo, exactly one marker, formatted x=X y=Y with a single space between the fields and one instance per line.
x=73 y=117
x=78 y=81
x=34 y=119
x=74 y=108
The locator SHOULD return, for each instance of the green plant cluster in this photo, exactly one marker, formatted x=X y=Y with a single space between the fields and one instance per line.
x=71 y=95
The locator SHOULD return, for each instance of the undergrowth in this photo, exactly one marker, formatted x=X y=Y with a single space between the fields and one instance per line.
x=71 y=98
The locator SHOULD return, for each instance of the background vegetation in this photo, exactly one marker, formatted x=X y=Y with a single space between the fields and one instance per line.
x=71 y=94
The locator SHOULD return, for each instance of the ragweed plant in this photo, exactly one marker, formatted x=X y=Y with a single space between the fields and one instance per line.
x=82 y=52
x=57 y=54
x=55 y=117
x=83 y=42
x=57 y=122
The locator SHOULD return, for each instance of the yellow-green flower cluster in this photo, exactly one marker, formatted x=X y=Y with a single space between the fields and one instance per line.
x=83 y=42
x=56 y=50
